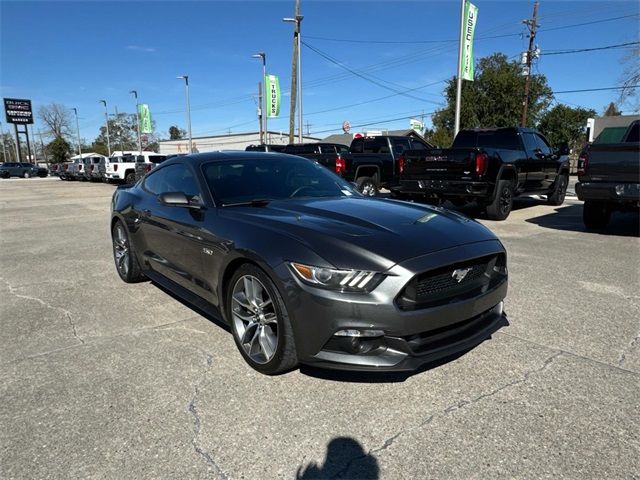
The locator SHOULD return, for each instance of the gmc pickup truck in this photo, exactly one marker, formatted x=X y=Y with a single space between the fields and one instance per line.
x=488 y=166
x=371 y=162
x=609 y=178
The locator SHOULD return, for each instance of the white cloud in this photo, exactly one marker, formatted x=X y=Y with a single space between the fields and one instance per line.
x=138 y=48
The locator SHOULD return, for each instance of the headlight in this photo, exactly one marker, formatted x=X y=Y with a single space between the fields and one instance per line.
x=342 y=280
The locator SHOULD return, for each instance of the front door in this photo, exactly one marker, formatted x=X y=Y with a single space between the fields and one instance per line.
x=533 y=165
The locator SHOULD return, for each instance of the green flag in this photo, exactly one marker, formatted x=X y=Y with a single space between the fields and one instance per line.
x=145 y=118
x=272 y=89
x=468 y=25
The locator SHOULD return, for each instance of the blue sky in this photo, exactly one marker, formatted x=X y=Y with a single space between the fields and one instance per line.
x=79 y=52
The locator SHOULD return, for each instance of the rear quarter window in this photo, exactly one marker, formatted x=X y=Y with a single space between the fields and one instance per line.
x=502 y=139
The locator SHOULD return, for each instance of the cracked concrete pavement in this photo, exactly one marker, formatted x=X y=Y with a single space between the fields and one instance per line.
x=105 y=380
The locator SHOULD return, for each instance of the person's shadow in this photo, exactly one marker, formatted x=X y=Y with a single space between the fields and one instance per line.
x=345 y=459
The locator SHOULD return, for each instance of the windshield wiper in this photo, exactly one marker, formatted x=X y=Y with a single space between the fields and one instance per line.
x=256 y=202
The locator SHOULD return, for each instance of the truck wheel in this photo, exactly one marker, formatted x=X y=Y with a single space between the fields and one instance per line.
x=500 y=207
x=367 y=186
x=595 y=215
x=130 y=178
x=559 y=192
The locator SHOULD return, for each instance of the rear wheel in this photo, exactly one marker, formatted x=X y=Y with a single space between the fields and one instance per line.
x=260 y=322
x=500 y=207
x=26 y=175
x=126 y=262
x=367 y=186
x=130 y=178
x=595 y=215
x=559 y=192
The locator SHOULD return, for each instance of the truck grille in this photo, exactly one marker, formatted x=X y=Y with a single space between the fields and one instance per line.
x=453 y=283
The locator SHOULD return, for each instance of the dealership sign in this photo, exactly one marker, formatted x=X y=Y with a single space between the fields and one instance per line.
x=18 y=111
x=469 y=26
x=145 y=118
x=273 y=99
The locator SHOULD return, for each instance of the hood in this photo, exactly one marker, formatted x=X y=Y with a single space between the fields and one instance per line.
x=364 y=232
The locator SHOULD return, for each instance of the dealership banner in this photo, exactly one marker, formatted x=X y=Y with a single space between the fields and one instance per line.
x=469 y=26
x=416 y=125
x=272 y=89
x=145 y=118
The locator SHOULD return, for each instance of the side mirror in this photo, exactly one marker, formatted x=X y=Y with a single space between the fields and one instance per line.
x=538 y=153
x=176 y=199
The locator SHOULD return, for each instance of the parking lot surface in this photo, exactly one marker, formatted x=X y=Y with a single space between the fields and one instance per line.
x=100 y=379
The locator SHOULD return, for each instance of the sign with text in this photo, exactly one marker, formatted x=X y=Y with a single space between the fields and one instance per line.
x=145 y=118
x=18 y=111
x=469 y=27
x=273 y=99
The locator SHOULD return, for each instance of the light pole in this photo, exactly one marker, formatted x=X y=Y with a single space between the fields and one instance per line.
x=135 y=95
x=297 y=21
x=4 y=148
x=106 y=122
x=75 y=110
x=186 y=85
x=263 y=56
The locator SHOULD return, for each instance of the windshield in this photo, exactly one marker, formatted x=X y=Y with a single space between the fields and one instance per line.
x=273 y=178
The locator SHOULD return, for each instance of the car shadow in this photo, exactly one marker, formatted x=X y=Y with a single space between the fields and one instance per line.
x=345 y=457
x=569 y=218
x=393 y=377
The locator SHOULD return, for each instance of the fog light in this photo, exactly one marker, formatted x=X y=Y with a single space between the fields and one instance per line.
x=359 y=333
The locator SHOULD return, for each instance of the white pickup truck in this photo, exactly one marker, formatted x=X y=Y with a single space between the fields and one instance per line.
x=121 y=166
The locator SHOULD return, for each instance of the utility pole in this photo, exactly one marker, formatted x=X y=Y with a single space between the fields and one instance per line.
x=308 y=129
x=44 y=150
x=260 y=113
x=75 y=110
x=119 y=130
x=294 y=72
x=532 y=25
x=34 y=160
x=106 y=124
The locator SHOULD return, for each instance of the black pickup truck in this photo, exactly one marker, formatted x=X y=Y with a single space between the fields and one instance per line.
x=609 y=178
x=370 y=162
x=489 y=166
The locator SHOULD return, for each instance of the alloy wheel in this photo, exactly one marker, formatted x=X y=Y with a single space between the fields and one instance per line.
x=368 y=189
x=505 y=199
x=254 y=319
x=121 y=249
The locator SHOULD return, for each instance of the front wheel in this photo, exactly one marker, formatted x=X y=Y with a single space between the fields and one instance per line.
x=367 y=186
x=130 y=178
x=500 y=207
x=559 y=192
x=260 y=322
x=124 y=255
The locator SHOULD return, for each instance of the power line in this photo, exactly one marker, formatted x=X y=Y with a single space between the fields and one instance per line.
x=580 y=50
x=596 y=89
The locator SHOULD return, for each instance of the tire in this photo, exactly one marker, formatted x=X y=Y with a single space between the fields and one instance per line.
x=595 y=215
x=26 y=175
x=500 y=207
x=559 y=192
x=130 y=178
x=124 y=255
x=367 y=186
x=254 y=328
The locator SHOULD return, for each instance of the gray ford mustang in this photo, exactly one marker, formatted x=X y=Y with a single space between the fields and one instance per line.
x=306 y=270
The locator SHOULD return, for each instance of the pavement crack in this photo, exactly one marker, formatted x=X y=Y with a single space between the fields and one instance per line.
x=193 y=410
x=14 y=291
x=631 y=346
x=447 y=411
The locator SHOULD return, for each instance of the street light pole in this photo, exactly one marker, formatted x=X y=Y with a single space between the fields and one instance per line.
x=135 y=94
x=106 y=122
x=186 y=83
x=263 y=56
x=75 y=111
x=297 y=21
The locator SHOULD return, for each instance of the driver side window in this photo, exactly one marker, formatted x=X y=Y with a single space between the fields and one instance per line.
x=174 y=178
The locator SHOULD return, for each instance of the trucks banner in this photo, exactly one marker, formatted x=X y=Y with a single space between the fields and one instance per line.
x=273 y=90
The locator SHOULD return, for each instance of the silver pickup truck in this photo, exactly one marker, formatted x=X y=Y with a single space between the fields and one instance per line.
x=609 y=178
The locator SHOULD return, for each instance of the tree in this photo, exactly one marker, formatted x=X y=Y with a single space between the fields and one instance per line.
x=564 y=124
x=493 y=99
x=9 y=147
x=631 y=77
x=57 y=118
x=176 y=133
x=58 y=150
x=612 y=110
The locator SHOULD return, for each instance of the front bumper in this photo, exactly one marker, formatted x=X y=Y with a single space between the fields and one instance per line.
x=446 y=188
x=609 y=191
x=411 y=337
